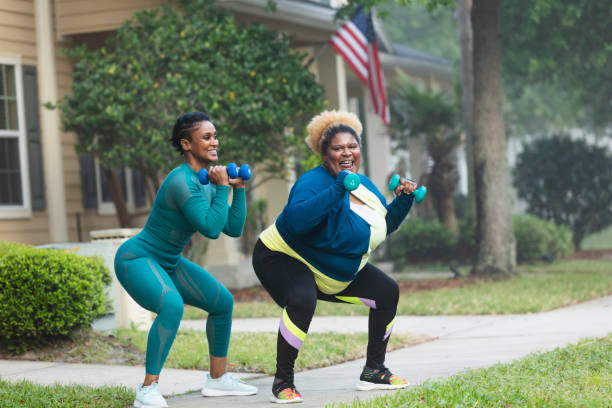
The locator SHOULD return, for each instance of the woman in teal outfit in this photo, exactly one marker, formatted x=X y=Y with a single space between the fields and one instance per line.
x=151 y=269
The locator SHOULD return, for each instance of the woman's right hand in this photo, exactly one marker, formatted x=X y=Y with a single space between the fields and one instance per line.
x=218 y=175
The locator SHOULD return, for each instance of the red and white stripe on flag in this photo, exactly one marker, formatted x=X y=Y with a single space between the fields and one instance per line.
x=356 y=42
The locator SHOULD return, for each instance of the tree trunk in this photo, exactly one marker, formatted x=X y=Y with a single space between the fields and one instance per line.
x=467 y=81
x=496 y=246
x=445 y=209
x=418 y=167
x=116 y=193
x=443 y=182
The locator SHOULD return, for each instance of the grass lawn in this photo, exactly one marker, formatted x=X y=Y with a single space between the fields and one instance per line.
x=27 y=395
x=600 y=240
x=539 y=287
x=575 y=376
x=256 y=352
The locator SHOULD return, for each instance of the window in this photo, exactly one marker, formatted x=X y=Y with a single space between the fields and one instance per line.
x=132 y=184
x=14 y=182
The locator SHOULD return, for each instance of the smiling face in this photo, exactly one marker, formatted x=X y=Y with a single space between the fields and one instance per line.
x=203 y=144
x=342 y=153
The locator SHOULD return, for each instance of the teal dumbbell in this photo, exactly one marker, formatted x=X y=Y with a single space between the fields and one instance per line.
x=351 y=181
x=419 y=193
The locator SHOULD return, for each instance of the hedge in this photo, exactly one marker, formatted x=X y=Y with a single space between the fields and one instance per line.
x=46 y=293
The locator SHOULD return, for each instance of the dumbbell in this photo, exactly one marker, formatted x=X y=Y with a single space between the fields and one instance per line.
x=351 y=181
x=232 y=171
x=419 y=193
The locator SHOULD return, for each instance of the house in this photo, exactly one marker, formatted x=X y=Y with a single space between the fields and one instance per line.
x=48 y=194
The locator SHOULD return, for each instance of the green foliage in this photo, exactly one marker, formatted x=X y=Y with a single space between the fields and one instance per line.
x=536 y=238
x=166 y=61
x=349 y=10
x=568 y=182
x=421 y=111
x=420 y=241
x=47 y=293
x=562 y=45
x=434 y=32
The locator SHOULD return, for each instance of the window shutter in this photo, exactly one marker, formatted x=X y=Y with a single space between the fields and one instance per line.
x=88 y=181
x=138 y=182
x=30 y=92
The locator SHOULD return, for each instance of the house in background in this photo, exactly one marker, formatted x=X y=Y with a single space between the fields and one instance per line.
x=48 y=194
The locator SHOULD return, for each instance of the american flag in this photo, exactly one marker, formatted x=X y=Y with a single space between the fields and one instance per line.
x=355 y=40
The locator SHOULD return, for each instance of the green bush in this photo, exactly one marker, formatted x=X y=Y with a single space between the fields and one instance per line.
x=568 y=182
x=419 y=241
x=465 y=251
x=47 y=293
x=536 y=238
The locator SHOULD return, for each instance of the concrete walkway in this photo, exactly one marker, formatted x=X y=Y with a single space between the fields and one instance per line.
x=463 y=342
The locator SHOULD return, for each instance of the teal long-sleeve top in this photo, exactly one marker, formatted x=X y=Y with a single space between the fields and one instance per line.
x=183 y=206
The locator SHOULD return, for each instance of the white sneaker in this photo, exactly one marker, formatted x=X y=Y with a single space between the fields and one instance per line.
x=227 y=384
x=149 y=397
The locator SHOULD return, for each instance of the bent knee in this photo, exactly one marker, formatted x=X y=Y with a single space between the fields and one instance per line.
x=224 y=304
x=390 y=298
x=171 y=307
x=303 y=301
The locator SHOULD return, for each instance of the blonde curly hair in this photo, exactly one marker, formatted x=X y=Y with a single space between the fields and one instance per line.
x=320 y=123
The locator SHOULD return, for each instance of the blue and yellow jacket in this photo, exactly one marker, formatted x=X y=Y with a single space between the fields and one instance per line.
x=318 y=227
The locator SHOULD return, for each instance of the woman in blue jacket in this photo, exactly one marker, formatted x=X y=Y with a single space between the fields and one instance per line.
x=151 y=269
x=319 y=246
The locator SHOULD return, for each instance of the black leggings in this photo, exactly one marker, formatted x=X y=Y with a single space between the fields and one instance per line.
x=292 y=286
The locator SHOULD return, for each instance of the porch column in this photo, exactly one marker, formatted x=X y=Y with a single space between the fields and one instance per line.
x=332 y=75
x=49 y=124
x=379 y=147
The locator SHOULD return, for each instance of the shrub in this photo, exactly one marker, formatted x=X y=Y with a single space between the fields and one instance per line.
x=568 y=182
x=421 y=241
x=47 y=293
x=536 y=238
x=466 y=248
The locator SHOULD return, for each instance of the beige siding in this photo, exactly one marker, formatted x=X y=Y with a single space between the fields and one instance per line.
x=17 y=33
x=18 y=37
x=88 y=16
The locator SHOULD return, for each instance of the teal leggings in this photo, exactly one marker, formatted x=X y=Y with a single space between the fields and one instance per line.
x=164 y=293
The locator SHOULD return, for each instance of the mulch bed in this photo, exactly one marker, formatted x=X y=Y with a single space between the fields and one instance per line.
x=259 y=294
x=593 y=254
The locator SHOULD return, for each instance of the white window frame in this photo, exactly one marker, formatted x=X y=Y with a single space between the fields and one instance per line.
x=108 y=207
x=24 y=210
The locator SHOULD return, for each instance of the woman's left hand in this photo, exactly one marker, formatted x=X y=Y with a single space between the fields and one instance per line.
x=237 y=182
x=406 y=186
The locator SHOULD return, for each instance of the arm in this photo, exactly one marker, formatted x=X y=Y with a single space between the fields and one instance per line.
x=308 y=205
x=237 y=214
x=398 y=210
x=208 y=218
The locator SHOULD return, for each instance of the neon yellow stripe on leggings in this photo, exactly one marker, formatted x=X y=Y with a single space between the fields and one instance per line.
x=390 y=324
x=351 y=299
x=297 y=332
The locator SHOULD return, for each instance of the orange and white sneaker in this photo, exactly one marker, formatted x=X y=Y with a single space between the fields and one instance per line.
x=285 y=393
x=379 y=379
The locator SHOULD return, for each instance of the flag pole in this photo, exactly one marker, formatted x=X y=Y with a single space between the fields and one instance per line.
x=316 y=56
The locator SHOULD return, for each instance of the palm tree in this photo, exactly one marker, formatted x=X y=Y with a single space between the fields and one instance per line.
x=432 y=114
